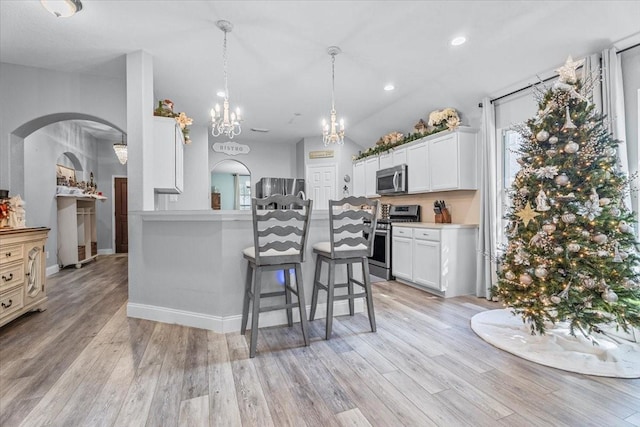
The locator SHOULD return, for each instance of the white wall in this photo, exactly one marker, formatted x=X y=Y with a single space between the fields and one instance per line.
x=631 y=81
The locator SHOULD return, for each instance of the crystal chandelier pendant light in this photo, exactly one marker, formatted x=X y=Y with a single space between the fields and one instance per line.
x=121 y=151
x=224 y=121
x=333 y=132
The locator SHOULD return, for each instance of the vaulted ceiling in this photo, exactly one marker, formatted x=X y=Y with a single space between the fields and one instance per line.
x=280 y=72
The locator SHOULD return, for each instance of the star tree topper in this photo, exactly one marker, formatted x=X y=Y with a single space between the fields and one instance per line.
x=527 y=214
x=567 y=72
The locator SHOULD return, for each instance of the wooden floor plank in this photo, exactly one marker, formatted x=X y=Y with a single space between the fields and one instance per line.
x=83 y=362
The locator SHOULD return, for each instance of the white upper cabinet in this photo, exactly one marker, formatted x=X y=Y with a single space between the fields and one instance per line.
x=452 y=162
x=358 y=178
x=371 y=166
x=417 y=168
x=168 y=149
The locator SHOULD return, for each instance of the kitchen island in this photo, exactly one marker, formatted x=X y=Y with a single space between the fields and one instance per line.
x=186 y=267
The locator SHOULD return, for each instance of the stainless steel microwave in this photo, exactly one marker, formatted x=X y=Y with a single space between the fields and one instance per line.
x=392 y=180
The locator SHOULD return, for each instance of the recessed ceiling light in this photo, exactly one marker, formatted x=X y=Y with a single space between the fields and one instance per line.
x=221 y=94
x=458 y=41
x=389 y=87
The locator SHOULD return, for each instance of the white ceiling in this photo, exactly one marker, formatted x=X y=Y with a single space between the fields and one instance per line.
x=280 y=73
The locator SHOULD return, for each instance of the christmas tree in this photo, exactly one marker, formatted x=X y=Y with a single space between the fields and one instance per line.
x=571 y=253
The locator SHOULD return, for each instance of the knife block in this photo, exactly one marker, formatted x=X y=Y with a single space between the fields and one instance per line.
x=443 y=217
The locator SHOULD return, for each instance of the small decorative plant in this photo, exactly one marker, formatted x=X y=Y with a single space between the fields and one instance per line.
x=165 y=109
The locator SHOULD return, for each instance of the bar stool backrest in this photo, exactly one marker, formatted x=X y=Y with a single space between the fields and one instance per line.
x=280 y=231
x=352 y=225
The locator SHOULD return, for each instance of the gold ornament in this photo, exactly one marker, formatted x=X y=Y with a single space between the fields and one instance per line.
x=567 y=73
x=527 y=214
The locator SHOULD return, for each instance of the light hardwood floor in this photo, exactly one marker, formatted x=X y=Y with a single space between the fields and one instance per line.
x=84 y=363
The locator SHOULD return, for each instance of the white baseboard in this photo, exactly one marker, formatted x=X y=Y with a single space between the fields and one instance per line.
x=52 y=269
x=105 y=252
x=226 y=324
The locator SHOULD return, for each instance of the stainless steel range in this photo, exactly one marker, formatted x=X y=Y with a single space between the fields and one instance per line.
x=380 y=262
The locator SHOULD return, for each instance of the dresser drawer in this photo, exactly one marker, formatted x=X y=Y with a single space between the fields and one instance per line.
x=11 y=301
x=10 y=253
x=11 y=275
x=402 y=232
x=426 y=234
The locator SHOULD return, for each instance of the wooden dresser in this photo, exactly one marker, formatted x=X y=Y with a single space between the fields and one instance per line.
x=22 y=272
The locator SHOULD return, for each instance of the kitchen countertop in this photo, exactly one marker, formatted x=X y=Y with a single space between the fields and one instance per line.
x=433 y=225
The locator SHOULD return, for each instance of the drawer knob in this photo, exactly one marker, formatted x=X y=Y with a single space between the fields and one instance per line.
x=8 y=254
x=8 y=278
x=7 y=305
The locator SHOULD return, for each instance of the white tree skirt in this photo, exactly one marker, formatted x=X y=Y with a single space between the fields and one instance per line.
x=557 y=348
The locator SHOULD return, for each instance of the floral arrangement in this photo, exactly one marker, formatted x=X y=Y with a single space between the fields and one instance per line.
x=165 y=109
x=5 y=212
x=444 y=119
x=439 y=120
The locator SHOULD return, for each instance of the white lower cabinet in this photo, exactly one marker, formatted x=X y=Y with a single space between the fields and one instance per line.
x=401 y=259
x=439 y=258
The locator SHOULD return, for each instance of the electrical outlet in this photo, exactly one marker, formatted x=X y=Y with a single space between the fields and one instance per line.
x=47 y=254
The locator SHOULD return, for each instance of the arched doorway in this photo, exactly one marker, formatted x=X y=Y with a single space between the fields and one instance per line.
x=230 y=186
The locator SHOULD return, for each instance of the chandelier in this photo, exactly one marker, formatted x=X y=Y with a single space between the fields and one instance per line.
x=330 y=132
x=121 y=151
x=225 y=122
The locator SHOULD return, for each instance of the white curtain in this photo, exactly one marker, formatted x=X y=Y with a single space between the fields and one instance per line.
x=489 y=212
x=613 y=107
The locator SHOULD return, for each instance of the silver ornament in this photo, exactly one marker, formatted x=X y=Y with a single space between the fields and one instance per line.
x=573 y=247
x=525 y=279
x=605 y=201
x=589 y=283
x=523 y=191
x=552 y=152
x=542 y=136
x=555 y=299
x=541 y=272
x=585 y=233
x=610 y=151
x=553 y=140
x=558 y=250
x=610 y=296
x=562 y=179
x=624 y=227
x=571 y=147
x=600 y=238
x=603 y=254
x=549 y=228
x=509 y=275
x=630 y=284
x=568 y=218
x=615 y=211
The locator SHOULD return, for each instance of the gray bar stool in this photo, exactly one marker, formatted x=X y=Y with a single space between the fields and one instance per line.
x=351 y=233
x=279 y=237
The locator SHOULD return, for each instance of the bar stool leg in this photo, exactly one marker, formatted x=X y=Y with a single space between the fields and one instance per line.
x=287 y=295
x=247 y=291
x=330 y=283
x=350 y=287
x=367 y=284
x=314 y=293
x=301 y=305
x=256 y=311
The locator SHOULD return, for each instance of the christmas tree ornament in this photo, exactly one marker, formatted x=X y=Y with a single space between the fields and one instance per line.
x=524 y=191
x=602 y=254
x=610 y=151
x=585 y=233
x=610 y=296
x=541 y=202
x=549 y=228
x=555 y=299
x=509 y=275
x=568 y=123
x=594 y=197
x=558 y=250
x=562 y=179
x=573 y=247
x=527 y=214
x=604 y=201
x=553 y=140
x=566 y=197
x=542 y=136
x=525 y=279
x=571 y=147
x=614 y=211
x=567 y=73
x=589 y=283
x=617 y=256
x=541 y=272
x=600 y=238
x=624 y=227
x=551 y=152
x=590 y=210
x=546 y=172
x=568 y=218
x=630 y=284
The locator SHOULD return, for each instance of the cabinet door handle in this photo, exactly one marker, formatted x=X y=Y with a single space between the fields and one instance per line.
x=395 y=181
x=8 y=254
x=8 y=278
x=7 y=305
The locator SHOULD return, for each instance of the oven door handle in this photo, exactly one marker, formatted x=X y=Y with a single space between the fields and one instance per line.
x=381 y=232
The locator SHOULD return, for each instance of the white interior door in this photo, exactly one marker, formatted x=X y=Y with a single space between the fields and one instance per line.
x=321 y=185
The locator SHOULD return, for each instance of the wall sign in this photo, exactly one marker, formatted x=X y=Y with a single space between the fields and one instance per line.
x=324 y=154
x=231 y=148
